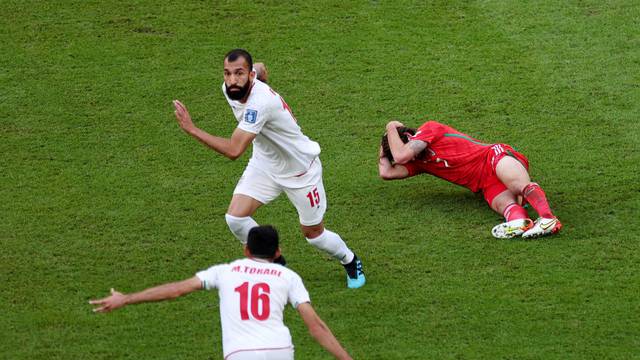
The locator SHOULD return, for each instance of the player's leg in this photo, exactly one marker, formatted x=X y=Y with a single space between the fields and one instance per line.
x=505 y=202
x=512 y=174
x=311 y=203
x=332 y=244
x=328 y=241
x=254 y=189
x=515 y=176
x=516 y=217
x=239 y=214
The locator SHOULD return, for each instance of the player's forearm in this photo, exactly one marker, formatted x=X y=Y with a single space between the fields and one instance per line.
x=219 y=144
x=400 y=152
x=158 y=293
x=325 y=338
x=384 y=168
x=389 y=171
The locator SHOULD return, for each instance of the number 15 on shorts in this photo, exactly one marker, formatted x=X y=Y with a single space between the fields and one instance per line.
x=314 y=197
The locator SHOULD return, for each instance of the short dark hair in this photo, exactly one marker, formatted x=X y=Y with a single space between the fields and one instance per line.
x=263 y=241
x=404 y=133
x=234 y=54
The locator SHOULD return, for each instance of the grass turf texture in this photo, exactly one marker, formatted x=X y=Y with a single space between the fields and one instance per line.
x=100 y=188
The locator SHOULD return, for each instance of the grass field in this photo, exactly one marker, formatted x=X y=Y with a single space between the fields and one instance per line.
x=100 y=188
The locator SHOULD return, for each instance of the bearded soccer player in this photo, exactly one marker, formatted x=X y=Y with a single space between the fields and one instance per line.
x=253 y=293
x=283 y=160
x=497 y=170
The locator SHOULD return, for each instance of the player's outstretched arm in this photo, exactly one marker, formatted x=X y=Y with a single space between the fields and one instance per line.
x=321 y=332
x=232 y=148
x=162 y=292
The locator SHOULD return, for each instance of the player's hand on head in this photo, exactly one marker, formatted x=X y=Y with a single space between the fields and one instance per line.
x=114 y=301
x=394 y=124
x=261 y=70
x=182 y=115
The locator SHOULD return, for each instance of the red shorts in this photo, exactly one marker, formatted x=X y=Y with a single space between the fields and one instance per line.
x=491 y=185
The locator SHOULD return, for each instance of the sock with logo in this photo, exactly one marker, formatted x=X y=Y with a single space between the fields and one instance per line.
x=514 y=211
x=537 y=199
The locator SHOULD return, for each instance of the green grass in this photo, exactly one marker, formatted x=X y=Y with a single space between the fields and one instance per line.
x=100 y=188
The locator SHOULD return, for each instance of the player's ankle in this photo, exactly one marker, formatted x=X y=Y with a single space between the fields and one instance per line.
x=352 y=267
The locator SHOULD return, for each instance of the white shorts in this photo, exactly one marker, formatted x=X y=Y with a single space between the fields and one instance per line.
x=271 y=354
x=306 y=192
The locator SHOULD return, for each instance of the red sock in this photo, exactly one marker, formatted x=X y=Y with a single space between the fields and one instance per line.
x=515 y=212
x=537 y=199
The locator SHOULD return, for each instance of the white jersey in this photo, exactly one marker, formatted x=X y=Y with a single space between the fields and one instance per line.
x=280 y=148
x=253 y=294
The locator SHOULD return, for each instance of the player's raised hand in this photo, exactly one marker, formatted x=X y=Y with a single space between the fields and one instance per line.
x=261 y=72
x=114 y=301
x=394 y=124
x=182 y=114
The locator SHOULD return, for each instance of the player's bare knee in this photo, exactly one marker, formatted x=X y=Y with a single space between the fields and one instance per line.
x=243 y=205
x=515 y=182
x=312 y=232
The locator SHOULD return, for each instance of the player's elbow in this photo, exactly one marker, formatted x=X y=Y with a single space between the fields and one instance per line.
x=386 y=174
x=403 y=158
x=233 y=154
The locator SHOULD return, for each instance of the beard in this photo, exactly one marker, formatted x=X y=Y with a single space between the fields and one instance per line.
x=238 y=92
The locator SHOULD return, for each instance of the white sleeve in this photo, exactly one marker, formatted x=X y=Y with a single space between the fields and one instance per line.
x=210 y=277
x=254 y=118
x=297 y=292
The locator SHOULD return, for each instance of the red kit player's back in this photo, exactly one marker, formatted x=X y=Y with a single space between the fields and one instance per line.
x=450 y=155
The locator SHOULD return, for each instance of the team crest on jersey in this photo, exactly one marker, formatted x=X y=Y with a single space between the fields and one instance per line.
x=251 y=116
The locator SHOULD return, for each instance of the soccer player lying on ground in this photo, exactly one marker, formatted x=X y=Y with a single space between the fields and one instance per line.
x=253 y=293
x=283 y=160
x=500 y=172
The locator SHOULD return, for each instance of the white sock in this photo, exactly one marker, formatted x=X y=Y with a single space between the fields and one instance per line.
x=332 y=244
x=240 y=226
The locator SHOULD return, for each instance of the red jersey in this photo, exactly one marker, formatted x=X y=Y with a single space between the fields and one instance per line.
x=450 y=155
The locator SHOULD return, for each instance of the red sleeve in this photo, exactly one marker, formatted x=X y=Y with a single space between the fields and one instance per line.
x=427 y=132
x=412 y=168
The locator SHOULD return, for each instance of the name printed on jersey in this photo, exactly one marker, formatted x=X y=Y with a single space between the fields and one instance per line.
x=250 y=116
x=258 y=271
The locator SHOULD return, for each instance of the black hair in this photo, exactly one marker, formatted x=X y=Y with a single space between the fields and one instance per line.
x=263 y=241
x=234 y=54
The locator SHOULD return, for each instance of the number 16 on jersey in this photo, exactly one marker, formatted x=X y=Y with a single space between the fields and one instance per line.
x=258 y=298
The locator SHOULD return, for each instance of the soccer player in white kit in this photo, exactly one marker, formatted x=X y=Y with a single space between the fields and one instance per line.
x=253 y=293
x=283 y=160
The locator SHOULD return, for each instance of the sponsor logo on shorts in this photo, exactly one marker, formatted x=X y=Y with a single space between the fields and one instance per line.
x=250 y=116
